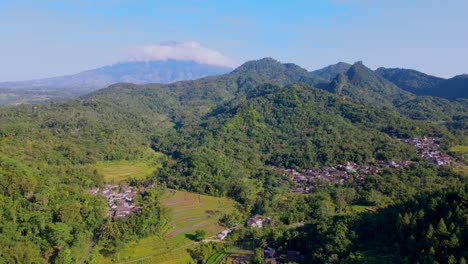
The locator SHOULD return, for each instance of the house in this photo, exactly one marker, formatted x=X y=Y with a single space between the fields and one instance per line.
x=256 y=221
x=223 y=234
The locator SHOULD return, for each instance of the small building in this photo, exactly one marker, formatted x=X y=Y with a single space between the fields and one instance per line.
x=256 y=221
x=223 y=234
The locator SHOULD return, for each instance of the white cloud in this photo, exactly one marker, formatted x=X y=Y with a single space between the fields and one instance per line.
x=167 y=50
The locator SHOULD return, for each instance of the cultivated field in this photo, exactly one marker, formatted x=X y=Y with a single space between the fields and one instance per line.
x=117 y=171
x=189 y=212
x=462 y=149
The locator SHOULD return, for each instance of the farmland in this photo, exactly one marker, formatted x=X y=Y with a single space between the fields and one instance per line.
x=117 y=171
x=189 y=212
x=462 y=149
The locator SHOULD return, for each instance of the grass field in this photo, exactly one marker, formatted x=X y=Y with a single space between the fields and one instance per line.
x=462 y=169
x=189 y=212
x=117 y=171
x=462 y=149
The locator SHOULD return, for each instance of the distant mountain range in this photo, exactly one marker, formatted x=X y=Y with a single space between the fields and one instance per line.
x=383 y=86
x=137 y=72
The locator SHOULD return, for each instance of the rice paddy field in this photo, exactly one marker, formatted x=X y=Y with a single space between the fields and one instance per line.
x=118 y=171
x=189 y=212
x=456 y=149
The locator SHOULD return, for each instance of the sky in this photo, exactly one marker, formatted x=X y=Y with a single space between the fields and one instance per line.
x=51 y=38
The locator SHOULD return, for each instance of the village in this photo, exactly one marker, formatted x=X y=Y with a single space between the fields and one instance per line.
x=427 y=148
x=119 y=199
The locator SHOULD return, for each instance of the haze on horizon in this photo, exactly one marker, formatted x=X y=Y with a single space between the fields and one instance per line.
x=48 y=38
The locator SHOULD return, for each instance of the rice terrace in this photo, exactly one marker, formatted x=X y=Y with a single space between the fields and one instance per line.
x=189 y=212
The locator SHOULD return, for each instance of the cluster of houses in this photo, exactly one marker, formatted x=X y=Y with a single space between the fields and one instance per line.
x=429 y=149
x=256 y=221
x=119 y=199
x=338 y=174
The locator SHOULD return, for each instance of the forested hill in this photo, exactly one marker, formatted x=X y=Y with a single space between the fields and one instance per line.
x=423 y=84
x=222 y=135
x=330 y=72
x=294 y=126
x=410 y=80
x=364 y=85
x=185 y=100
x=453 y=88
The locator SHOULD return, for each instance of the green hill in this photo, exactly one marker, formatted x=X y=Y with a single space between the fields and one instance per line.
x=294 y=126
x=453 y=88
x=365 y=86
x=330 y=72
x=410 y=80
x=220 y=135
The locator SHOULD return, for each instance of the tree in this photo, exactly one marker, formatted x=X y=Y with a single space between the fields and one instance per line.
x=64 y=256
x=200 y=234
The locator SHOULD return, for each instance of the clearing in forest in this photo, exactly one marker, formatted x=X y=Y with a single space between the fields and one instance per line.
x=189 y=212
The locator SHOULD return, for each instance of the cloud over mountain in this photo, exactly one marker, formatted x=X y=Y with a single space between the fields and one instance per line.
x=191 y=50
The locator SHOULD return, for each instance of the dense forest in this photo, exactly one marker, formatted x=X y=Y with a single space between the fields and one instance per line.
x=231 y=135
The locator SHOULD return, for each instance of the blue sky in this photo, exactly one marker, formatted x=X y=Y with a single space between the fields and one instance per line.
x=49 y=38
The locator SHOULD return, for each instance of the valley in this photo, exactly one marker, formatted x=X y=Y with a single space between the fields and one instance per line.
x=269 y=151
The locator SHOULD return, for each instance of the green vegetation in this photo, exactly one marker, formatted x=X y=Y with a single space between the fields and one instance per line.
x=456 y=149
x=452 y=88
x=410 y=80
x=200 y=235
x=230 y=136
x=188 y=213
x=117 y=171
x=367 y=87
x=232 y=150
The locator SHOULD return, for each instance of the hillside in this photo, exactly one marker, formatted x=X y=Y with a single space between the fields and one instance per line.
x=423 y=84
x=364 y=85
x=187 y=99
x=410 y=80
x=453 y=88
x=228 y=135
x=330 y=72
x=294 y=126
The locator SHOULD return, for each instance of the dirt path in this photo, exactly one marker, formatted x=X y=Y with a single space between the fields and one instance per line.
x=91 y=245
x=181 y=230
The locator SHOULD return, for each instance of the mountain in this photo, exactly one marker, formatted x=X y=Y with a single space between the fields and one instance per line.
x=453 y=88
x=366 y=86
x=410 y=80
x=330 y=72
x=292 y=126
x=275 y=71
x=229 y=135
x=134 y=72
x=422 y=84
x=197 y=97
